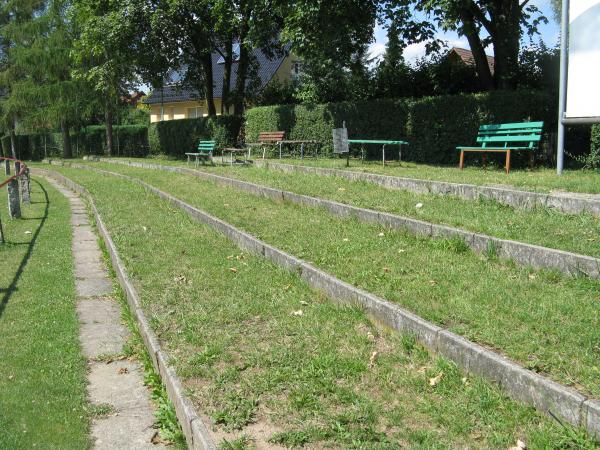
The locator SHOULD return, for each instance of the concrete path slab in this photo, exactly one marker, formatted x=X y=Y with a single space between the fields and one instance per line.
x=118 y=384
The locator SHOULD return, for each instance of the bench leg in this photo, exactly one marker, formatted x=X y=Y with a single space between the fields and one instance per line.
x=188 y=159
x=383 y=154
x=507 y=161
x=484 y=160
x=531 y=160
x=461 y=163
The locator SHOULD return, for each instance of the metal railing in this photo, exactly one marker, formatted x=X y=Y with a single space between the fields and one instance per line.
x=18 y=187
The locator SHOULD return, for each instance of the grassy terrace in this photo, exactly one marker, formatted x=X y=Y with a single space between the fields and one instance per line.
x=42 y=373
x=538 y=180
x=263 y=371
x=545 y=321
x=546 y=227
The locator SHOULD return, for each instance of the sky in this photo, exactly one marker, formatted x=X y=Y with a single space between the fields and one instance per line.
x=549 y=33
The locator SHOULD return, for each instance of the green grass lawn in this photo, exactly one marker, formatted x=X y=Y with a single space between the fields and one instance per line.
x=542 y=226
x=546 y=321
x=540 y=179
x=42 y=373
x=258 y=350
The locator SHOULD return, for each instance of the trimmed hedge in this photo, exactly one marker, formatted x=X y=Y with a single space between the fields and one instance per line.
x=434 y=126
x=31 y=146
x=128 y=140
x=176 y=137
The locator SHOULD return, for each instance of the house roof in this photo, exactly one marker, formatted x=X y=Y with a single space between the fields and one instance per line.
x=174 y=92
x=467 y=57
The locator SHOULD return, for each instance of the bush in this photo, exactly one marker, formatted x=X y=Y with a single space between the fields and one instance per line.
x=592 y=159
x=33 y=146
x=176 y=137
x=433 y=126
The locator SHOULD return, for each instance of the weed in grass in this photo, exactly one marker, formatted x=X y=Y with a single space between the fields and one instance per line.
x=241 y=443
x=102 y=410
x=342 y=397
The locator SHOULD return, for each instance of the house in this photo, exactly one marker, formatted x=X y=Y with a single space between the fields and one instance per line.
x=465 y=57
x=176 y=102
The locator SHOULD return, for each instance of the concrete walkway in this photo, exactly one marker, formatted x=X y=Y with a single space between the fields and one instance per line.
x=114 y=384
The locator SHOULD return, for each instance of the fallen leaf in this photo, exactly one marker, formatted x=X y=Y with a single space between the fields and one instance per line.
x=520 y=445
x=341 y=189
x=28 y=232
x=419 y=205
x=233 y=269
x=532 y=276
x=386 y=269
x=435 y=380
x=401 y=250
x=10 y=377
x=432 y=282
x=156 y=439
x=372 y=358
x=180 y=279
x=370 y=336
x=303 y=303
x=345 y=239
x=287 y=287
x=298 y=313
x=145 y=229
x=123 y=370
x=381 y=234
x=230 y=257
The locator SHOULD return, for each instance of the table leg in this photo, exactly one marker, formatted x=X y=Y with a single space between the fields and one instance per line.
x=507 y=161
x=280 y=149
x=231 y=159
x=302 y=151
x=400 y=155
x=461 y=163
x=188 y=161
x=383 y=153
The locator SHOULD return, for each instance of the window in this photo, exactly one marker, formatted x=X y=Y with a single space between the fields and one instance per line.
x=194 y=113
x=296 y=70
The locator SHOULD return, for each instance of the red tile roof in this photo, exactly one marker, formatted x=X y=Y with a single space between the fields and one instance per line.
x=467 y=57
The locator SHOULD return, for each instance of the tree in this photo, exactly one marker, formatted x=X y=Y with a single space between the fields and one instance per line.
x=15 y=17
x=105 y=50
x=504 y=21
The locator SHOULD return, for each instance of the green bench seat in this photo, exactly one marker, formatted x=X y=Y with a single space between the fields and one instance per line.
x=505 y=138
x=204 y=152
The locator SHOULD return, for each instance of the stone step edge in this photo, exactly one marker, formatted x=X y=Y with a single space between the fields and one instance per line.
x=197 y=434
x=521 y=384
x=536 y=256
x=513 y=197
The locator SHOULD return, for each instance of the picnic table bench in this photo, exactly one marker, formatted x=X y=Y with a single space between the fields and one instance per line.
x=505 y=138
x=204 y=153
x=381 y=142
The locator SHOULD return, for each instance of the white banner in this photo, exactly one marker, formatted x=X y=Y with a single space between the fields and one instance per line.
x=583 y=89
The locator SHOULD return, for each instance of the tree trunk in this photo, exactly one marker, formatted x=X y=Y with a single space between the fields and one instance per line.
x=481 y=63
x=242 y=72
x=108 y=119
x=207 y=67
x=13 y=138
x=66 y=137
x=506 y=52
x=227 y=76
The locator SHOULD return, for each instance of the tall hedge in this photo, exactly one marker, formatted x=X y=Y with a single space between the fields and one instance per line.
x=434 y=126
x=128 y=140
x=176 y=137
x=33 y=146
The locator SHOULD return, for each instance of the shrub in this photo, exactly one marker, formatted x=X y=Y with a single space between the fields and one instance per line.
x=176 y=137
x=433 y=126
x=128 y=140
x=592 y=159
x=32 y=146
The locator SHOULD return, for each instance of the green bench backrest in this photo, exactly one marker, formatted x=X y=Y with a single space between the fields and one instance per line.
x=529 y=133
x=206 y=146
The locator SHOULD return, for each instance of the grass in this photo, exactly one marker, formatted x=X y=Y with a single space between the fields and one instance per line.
x=546 y=321
x=42 y=374
x=541 y=179
x=324 y=378
x=541 y=226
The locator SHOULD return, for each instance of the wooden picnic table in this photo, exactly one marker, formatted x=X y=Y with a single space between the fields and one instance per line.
x=381 y=142
x=232 y=151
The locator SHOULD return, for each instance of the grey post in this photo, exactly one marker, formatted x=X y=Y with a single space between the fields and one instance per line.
x=562 y=95
x=1 y=233
x=7 y=163
x=26 y=187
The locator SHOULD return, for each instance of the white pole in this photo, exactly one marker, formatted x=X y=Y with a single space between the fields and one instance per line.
x=562 y=94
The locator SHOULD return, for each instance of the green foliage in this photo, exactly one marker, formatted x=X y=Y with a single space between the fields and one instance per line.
x=592 y=159
x=34 y=147
x=129 y=140
x=434 y=126
x=176 y=137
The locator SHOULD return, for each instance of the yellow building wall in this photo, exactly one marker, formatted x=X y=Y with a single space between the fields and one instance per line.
x=181 y=110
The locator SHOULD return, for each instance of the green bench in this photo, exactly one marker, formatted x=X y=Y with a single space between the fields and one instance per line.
x=506 y=137
x=204 y=152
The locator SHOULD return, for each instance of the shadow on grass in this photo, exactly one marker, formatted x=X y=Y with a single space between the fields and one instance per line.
x=12 y=287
